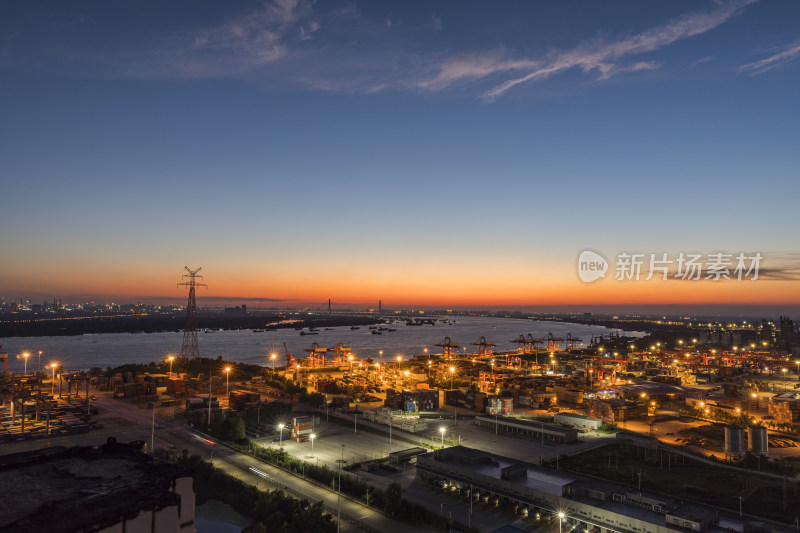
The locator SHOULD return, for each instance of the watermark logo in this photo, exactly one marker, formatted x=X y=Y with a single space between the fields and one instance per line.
x=633 y=266
x=591 y=266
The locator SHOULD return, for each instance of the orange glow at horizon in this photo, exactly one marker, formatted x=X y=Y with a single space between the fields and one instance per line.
x=436 y=283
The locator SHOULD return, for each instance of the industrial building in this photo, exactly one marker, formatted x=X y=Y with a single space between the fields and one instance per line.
x=546 y=433
x=588 y=504
x=577 y=420
x=785 y=407
x=113 y=488
x=614 y=410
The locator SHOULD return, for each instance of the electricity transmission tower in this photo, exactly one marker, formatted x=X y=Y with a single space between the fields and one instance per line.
x=189 y=348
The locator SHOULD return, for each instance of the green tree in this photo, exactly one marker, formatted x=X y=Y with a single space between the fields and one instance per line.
x=232 y=428
x=392 y=499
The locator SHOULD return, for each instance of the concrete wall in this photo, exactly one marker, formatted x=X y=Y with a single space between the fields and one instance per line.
x=577 y=421
x=184 y=487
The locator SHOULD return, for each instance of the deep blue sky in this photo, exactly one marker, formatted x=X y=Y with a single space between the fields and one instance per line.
x=366 y=145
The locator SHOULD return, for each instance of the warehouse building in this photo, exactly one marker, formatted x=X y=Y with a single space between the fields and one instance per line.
x=587 y=504
x=518 y=427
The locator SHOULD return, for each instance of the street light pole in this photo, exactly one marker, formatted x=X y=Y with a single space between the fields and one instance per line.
x=25 y=356
x=312 y=436
x=53 y=383
x=39 y=364
x=560 y=519
x=227 y=380
x=280 y=438
x=441 y=430
x=339 y=495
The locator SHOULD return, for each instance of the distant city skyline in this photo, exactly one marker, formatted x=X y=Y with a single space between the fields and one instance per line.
x=436 y=154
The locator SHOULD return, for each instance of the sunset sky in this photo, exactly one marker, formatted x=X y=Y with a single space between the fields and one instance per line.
x=422 y=153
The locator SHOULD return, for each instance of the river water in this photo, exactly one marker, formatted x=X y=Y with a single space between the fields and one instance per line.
x=113 y=349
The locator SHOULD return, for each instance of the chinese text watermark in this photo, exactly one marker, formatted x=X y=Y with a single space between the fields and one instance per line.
x=634 y=266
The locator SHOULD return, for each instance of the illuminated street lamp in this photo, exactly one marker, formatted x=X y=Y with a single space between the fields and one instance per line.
x=25 y=356
x=350 y=358
x=53 y=384
x=452 y=375
x=441 y=430
x=39 y=364
x=273 y=356
x=227 y=379
x=560 y=519
x=312 y=437
x=280 y=435
x=171 y=358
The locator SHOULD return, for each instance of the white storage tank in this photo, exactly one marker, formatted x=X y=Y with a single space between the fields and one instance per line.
x=734 y=440
x=759 y=442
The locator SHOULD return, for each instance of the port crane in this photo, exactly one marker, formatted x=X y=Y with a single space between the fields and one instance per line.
x=449 y=348
x=485 y=348
x=289 y=359
x=316 y=355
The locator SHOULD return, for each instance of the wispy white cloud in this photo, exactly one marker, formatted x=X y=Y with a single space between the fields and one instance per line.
x=471 y=67
x=306 y=33
x=437 y=23
x=238 y=45
x=602 y=56
x=283 y=42
x=607 y=72
x=702 y=60
x=782 y=57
